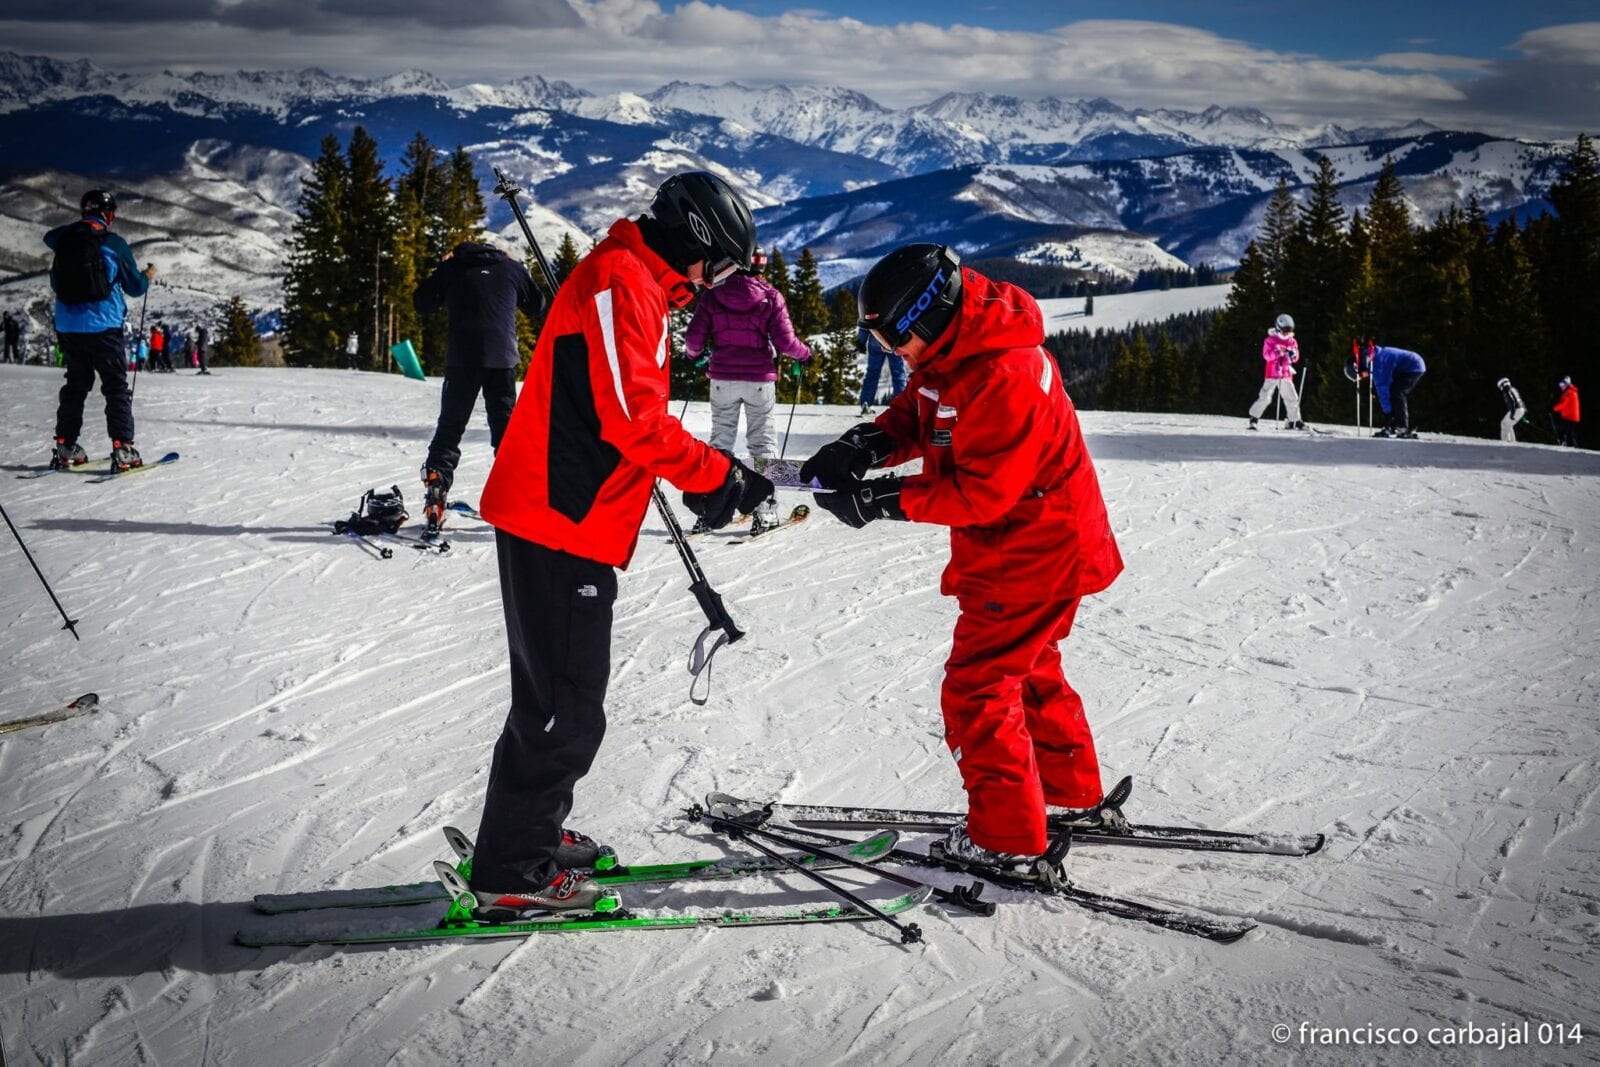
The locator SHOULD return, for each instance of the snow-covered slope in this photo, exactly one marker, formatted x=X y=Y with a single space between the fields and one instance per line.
x=1119 y=311
x=281 y=711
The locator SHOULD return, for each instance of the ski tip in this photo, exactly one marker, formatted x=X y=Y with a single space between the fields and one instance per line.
x=88 y=700
x=170 y=457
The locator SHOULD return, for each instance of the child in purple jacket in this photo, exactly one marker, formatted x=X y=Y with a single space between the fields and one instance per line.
x=741 y=322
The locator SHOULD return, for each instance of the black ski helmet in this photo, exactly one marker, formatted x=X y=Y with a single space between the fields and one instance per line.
x=915 y=290
x=98 y=202
x=702 y=218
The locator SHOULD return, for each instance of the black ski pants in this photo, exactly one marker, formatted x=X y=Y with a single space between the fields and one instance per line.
x=457 y=397
x=85 y=355
x=1399 y=393
x=558 y=623
x=13 y=352
x=1566 y=431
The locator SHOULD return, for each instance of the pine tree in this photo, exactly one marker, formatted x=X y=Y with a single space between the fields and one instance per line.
x=808 y=308
x=313 y=285
x=1277 y=227
x=1128 y=387
x=833 y=370
x=566 y=257
x=778 y=274
x=237 y=344
x=368 y=240
x=1570 y=267
x=1391 y=250
x=463 y=212
x=1233 y=345
x=1316 y=279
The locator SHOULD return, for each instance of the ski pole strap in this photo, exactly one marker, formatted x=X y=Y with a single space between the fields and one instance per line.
x=700 y=663
x=722 y=625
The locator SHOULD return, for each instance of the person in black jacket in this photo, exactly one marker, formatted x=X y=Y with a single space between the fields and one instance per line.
x=481 y=288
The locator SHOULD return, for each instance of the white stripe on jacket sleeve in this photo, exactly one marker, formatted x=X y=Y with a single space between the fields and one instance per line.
x=608 y=333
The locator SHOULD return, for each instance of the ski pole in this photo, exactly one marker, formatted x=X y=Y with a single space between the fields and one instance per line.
x=717 y=617
x=139 y=340
x=792 y=405
x=69 y=624
x=966 y=897
x=910 y=933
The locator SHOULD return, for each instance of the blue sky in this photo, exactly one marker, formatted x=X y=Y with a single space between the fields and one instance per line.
x=1529 y=68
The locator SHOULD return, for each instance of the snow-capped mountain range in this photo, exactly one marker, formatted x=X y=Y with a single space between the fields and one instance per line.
x=1086 y=184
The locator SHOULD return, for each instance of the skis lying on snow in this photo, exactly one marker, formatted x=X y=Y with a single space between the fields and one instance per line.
x=166 y=460
x=1139 y=834
x=875 y=847
x=82 y=706
x=333 y=928
x=81 y=468
x=797 y=515
x=725 y=810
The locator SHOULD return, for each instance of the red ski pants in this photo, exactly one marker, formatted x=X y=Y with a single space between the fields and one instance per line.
x=1015 y=726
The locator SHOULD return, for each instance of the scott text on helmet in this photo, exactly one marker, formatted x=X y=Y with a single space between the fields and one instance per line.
x=922 y=304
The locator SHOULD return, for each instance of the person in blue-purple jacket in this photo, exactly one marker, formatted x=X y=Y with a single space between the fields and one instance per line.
x=1395 y=372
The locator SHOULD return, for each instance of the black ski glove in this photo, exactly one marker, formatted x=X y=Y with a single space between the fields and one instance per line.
x=743 y=490
x=860 y=502
x=837 y=464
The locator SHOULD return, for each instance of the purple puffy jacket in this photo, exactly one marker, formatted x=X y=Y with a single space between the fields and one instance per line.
x=742 y=321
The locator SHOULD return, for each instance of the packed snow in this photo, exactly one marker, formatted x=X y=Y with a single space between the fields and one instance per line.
x=1390 y=642
x=1118 y=311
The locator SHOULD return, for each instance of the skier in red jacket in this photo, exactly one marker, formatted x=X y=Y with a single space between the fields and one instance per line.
x=568 y=491
x=1005 y=467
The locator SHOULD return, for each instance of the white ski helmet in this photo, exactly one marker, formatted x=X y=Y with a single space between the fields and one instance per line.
x=1284 y=322
x=1502 y=383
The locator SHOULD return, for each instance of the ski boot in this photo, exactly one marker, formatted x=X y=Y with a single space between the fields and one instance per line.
x=866 y=409
x=1295 y=426
x=124 y=456
x=67 y=455
x=1385 y=432
x=570 y=894
x=959 y=850
x=1253 y=425
x=765 y=517
x=581 y=852
x=435 y=500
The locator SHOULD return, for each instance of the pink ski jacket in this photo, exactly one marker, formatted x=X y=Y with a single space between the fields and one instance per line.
x=1281 y=353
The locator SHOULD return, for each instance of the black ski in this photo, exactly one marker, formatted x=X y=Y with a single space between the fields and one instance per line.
x=1213 y=929
x=1145 y=835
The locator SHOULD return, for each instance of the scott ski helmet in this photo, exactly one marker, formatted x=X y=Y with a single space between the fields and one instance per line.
x=703 y=219
x=98 y=202
x=912 y=291
x=1285 y=322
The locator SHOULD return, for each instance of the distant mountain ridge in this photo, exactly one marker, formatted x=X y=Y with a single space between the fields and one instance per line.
x=1087 y=184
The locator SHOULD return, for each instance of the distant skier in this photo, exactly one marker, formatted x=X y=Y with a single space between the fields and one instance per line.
x=877 y=356
x=1279 y=352
x=1565 y=414
x=1515 y=409
x=481 y=288
x=743 y=322
x=1005 y=467
x=92 y=269
x=352 y=349
x=13 y=338
x=1395 y=372
x=202 y=349
x=158 y=349
x=568 y=491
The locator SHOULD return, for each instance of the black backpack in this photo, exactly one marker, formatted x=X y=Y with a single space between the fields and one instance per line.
x=377 y=513
x=80 y=273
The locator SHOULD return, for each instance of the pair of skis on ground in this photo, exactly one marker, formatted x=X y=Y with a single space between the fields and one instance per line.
x=752 y=822
x=104 y=475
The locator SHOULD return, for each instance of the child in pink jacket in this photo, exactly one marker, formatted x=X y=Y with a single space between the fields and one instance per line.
x=1280 y=351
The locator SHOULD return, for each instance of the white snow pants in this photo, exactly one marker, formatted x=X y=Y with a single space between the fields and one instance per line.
x=1291 y=399
x=1508 y=425
x=758 y=399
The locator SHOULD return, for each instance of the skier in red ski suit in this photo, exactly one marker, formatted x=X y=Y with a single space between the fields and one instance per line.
x=568 y=491
x=1005 y=467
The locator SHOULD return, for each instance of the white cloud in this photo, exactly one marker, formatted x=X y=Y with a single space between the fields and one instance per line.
x=634 y=45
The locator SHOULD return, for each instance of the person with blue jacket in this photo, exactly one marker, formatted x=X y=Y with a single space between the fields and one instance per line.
x=877 y=356
x=92 y=270
x=1395 y=372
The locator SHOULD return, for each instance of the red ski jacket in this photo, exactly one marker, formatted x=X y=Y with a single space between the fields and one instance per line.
x=1566 y=406
x=1003 y=459
x=591 y=430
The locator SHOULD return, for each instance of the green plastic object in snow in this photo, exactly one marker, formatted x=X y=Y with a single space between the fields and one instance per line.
x=406 y=357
